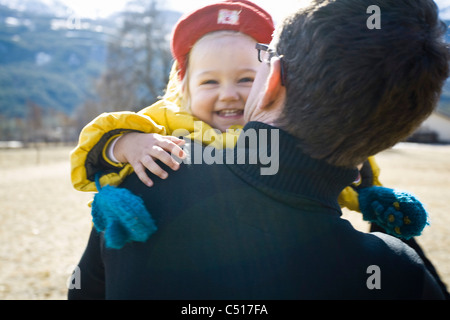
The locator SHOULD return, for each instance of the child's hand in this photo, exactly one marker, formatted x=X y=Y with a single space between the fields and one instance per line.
x=141 y=150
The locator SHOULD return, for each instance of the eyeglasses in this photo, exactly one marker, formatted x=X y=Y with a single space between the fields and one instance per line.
x=265 y=47
x=272 y=53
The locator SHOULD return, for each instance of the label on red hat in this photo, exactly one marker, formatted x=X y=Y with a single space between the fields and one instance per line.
x=228 y=17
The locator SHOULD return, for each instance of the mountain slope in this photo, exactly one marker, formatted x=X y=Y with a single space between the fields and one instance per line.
x=45 y=60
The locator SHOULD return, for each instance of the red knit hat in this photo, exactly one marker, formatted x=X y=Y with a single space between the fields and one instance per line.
x=237 y=15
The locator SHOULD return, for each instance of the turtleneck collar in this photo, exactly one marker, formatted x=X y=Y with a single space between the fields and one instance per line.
x=296 y=176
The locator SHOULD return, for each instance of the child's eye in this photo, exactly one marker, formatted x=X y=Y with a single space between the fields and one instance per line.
x=205 y=82
x=246 y=80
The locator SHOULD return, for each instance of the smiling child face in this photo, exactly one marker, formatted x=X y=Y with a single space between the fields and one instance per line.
x=222 y=67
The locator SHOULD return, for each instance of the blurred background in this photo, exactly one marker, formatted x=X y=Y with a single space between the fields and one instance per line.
x=64 y=62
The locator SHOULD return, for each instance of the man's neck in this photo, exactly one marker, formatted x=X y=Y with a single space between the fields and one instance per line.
x=271 y=160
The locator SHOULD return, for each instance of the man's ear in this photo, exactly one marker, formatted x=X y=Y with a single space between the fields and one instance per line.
x=274 y=90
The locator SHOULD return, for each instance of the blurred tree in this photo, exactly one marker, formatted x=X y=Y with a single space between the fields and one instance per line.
x=35 y=122
x=138 y=62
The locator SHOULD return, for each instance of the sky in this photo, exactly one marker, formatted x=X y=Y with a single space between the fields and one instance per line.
x=102 y=8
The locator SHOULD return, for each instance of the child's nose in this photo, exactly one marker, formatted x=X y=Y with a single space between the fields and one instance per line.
x=229 y=93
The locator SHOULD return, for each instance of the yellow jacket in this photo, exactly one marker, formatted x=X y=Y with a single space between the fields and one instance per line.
x=89 y=156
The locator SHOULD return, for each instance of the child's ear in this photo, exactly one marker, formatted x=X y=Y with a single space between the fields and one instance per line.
x=274 y=90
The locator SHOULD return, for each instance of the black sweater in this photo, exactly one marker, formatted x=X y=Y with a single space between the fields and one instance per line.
x=227 y=232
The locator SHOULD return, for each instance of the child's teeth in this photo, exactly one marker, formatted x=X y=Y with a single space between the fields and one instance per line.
x=230 y=112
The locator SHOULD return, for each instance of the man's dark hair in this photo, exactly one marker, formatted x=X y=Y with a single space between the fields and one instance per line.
x=353 y=91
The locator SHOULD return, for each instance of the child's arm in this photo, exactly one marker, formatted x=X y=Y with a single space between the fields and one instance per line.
x=89 y=157
x=397 y=212
x=369 y=177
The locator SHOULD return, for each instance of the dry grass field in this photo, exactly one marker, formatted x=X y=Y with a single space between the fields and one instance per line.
x=45 y=222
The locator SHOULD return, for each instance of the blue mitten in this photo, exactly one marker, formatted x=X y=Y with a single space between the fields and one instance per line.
x=121 y=215
x=399 y=213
